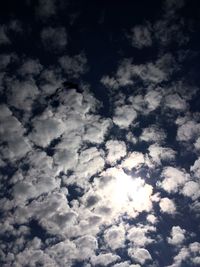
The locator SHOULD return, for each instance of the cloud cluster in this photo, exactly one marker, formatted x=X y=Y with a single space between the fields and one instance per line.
x=84 y=184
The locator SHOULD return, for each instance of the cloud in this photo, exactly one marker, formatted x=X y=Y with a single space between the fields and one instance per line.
x=177 y=236
x=74 y=66
x=195 y=169
x=137 y=235
x=175 y=102
x=124 y=116
x=187 y=129
x=116 y=150
x=104 y=259
x=4 y=39
x=16 y=145
x=141 y=36
x=46 y=128
x=54 y=39
x=115 y=237
x=140 y=255
x=45 y=8
x=160 y=154
x=22 y=94
x=167 y=205
x=133 y=160
x=30 y=67
x=153 y=134
x=174 y=179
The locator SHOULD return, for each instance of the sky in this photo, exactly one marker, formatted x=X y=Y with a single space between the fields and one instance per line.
x=99 y=133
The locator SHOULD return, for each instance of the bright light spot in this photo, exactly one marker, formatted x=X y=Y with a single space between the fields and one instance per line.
x=125 y=192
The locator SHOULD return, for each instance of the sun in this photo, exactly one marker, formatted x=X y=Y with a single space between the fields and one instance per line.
x=125 y=192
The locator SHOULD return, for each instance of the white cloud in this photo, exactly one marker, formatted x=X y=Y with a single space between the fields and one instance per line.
x=153 y=99
x=133 y=160
x=197 y=144
x=167 y=205
x=187 y=129
x=153 y=133
x=177 y=236
x=96 y=128
x=104 y=259
x=138 y=235
x=21 y=94
x=175 y=102
x=174 y=179
x=46 y=128
x=152 y=218
x=159 y=153
x=124 y=116
x=195 y=169
x=90 y=162
x=140 y=255
x=12 y=132
x=191 y=189
x=115 y=237
x=116 y=150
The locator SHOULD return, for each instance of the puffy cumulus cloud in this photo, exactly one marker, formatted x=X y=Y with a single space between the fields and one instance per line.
x=45 y=9
x=30 y=67
x=172 y=6
x=177 y=236
x=96 y=129
x=90 y=162
x=46 y=128
x=160 y=154
x=37 y=180
x=197 y=144
x=195 y=169
x=15 y=145
x=116 y=150
x=115 y=237
x=124 y=116
x=50 y=80
x=121 y=193
x=126 y=264
x=32 y=257
x=174 y=101
x=188 y=129
x=152 y=219
x=153 y=99
x=133 y=160
x=6 y=60
x=104 y=259
x=149 y=73
x=141 y=36
x=167 y=205
x=74 y=66
x=65 y=159
x=140 y=255
x=54 y=39
x=22 y=94
x=4 y=39
x=63 y=253
x=139 y=235
x=188 y=255
x=174 y=179
x=191 y=189
x=153 y=134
